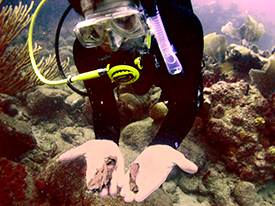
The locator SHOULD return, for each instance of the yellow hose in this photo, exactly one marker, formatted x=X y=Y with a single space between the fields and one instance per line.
x=36 y=70
x=80 y=77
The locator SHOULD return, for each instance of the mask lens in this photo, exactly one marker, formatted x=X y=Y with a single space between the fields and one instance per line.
x=129 y=26
x=126 y=22
x=115 y=40
x=89 y=35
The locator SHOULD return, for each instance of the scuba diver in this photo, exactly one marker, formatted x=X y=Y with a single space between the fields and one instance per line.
x=116 y=32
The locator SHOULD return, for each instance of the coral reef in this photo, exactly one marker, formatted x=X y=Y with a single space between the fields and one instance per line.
x=135 y=107
x=259 y=122
x=240 y=123
x=239 y=63
x=232 y=141
x=270 y=154
x=236 y=120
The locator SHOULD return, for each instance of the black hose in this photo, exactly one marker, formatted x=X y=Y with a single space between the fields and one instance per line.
x=57 y=35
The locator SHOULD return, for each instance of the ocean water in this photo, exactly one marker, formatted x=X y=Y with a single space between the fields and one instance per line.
x=232 y=139
x=221 y=12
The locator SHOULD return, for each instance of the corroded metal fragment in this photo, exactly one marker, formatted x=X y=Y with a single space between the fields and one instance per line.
x=133 y=176
x=103 y=175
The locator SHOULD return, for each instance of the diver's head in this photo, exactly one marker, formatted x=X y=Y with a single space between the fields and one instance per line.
x=111 y=24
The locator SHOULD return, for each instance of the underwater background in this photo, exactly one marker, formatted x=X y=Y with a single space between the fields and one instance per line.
x=232 y=139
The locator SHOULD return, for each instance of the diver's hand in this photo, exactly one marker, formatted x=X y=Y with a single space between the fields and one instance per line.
x=95 y=151
x=155 y=163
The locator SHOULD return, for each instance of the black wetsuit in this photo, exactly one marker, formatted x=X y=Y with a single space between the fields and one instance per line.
x=185 y=32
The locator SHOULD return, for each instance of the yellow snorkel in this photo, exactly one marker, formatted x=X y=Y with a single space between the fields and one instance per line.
x=121 y=74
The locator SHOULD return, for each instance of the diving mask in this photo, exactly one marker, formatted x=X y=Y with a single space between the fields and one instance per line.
x=118 y=24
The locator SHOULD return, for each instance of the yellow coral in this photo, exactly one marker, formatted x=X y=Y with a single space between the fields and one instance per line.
x=271 y=154
x=260 y=122
x=242 y=134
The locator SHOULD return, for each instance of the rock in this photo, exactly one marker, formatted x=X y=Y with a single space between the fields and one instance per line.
x=159 y=111
x=268 y=194
x=132 y=104
x=170 y=188
x=45 y=101
x=243 y=58
x=15 y=136
x=193 y=152
x=245 y=193
x=12 y=110
x=7 y=104
x=69 y=133
x=76 y=135
x=68 y=121
x=50 y=128
x=264 y=78
x=74 y=101
x=217 y=184
x=190 y=199
x=88 y=133
x=139 y=134
x=189 y=184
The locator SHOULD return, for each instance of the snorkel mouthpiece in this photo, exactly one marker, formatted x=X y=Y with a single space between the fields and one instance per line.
x=172 y=62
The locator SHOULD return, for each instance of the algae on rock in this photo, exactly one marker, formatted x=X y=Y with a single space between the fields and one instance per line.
x=243 y=58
